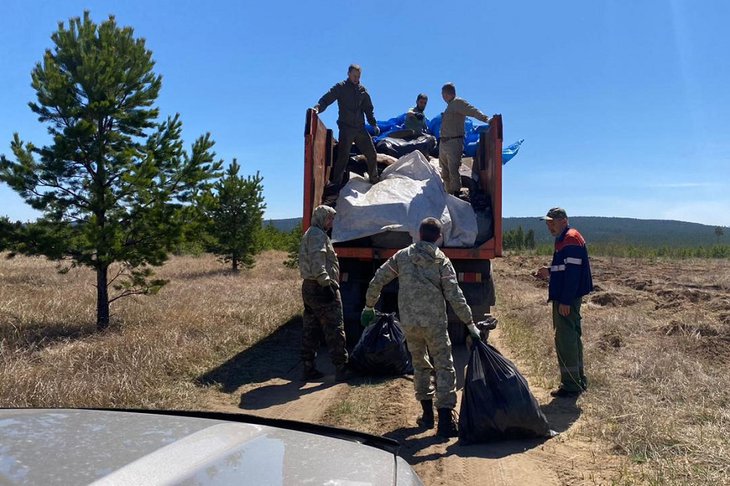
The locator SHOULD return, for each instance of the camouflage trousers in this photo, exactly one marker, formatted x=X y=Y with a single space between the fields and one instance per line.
x=569 y=347
x=322 y=316
x=433 y=341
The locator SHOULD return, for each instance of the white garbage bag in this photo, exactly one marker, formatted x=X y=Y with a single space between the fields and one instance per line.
x=409 y=191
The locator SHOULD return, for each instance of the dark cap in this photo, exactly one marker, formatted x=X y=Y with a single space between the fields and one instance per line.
x=555 y=213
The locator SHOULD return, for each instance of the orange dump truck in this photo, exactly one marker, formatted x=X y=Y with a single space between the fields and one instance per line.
x=358 y=263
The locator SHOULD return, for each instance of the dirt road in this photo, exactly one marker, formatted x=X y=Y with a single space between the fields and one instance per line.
x=263 y=380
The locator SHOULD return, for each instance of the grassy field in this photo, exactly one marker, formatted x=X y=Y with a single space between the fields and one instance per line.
x=657 y=351
x=656 y=334
x=51 y=354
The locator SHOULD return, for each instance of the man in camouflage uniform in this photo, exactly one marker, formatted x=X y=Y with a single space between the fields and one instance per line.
x=451 y=143
x=426 y=277
x=353 y=102
x=320 y=270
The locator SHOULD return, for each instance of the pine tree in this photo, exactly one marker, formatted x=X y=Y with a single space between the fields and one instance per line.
x=519 y=238
x=295 y=242
x=530 y=239
x=235 y=210
x=113 y=181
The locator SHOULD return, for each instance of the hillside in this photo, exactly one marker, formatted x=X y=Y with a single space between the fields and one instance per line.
x=642 y=232
x=283 y=224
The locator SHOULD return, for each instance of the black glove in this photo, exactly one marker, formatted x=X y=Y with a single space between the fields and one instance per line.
x=473 y=331
x=330 y=292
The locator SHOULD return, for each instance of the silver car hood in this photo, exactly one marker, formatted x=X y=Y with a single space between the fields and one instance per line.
x=63 y=446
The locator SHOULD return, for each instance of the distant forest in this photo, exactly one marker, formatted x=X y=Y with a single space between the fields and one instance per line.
x=639 y=232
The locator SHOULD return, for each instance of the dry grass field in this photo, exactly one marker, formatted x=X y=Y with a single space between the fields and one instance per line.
x=656 y=335
x=51 y=354
x=657 y=352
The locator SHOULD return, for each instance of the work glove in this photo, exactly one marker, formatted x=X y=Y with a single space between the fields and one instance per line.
x=376 y=130
x=473 y=331
x=490 y=322
x=316 y=108
x=367 y=316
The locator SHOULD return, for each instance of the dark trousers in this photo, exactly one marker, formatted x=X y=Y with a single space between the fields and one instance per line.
x=322 y=316
x=361 y=138
x=569 y=347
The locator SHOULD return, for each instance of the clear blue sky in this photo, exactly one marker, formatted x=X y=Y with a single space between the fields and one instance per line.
x=623 y=105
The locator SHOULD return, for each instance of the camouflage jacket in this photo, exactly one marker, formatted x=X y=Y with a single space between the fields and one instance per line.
x=317 y=257
x=425 y=278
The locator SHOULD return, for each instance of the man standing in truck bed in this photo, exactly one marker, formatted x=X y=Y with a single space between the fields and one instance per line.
x=451 y=143
x=353 y=102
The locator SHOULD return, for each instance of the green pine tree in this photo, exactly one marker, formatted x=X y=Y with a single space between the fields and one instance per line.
x=6 y=233
x=113 y=181
x=234 y=209
x=530 y=239
x=295 y=241
x=519 y=238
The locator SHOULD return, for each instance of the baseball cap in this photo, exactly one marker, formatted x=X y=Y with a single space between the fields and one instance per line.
x=555 y=213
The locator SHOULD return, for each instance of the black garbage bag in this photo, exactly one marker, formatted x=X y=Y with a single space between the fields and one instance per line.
x=382 y=349
x=398 y=147
x=496 y=403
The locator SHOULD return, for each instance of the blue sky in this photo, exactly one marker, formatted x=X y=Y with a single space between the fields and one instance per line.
x=623 y=105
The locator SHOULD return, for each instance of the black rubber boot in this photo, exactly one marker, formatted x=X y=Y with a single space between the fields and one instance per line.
x=342 y=373
x=426 y=420
x=310 y=372
x=447 y=423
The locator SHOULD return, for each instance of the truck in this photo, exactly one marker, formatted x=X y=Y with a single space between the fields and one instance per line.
x=358 y=263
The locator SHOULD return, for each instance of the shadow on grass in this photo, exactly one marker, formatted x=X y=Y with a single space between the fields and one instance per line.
x=223 y=271
x=275 y=356
x=39 y=335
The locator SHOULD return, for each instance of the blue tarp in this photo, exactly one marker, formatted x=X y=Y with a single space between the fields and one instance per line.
x=471 y=134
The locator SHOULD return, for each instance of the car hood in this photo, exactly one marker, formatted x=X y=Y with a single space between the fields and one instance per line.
x=60 y=446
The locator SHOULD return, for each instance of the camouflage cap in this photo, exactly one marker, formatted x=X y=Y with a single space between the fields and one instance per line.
x=555 y=213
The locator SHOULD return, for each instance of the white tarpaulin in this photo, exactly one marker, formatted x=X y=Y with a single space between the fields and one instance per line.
x=409 y=191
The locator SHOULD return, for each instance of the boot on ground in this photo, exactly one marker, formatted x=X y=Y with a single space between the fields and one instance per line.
x=426 y=420
x=447 y=423
x=310 y=372
x=342 y=373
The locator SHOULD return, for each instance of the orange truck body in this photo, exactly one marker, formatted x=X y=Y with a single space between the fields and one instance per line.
x=358 y=263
